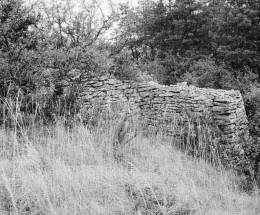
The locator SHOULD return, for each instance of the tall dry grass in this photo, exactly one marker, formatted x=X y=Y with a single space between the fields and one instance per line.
x=59 y=170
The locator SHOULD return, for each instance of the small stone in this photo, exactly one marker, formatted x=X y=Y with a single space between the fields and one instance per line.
x=200 y=98
x=223 y=100
x=167 y=94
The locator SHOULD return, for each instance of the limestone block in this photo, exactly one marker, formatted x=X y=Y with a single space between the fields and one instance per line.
x=112 y=82
x=221 y=109
x=89 y=83
x=145 y=89
x=167 y=94
x=129 y=91
x=196 y=105
x=145 y=94
x=198 y=109
x=98 y=84
x=200 y=98
x=114 y=92
x=121 y=87
x=102 y=78
x=223 y=99
x=240 y=111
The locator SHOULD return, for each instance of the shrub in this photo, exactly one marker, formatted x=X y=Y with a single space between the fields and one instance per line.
x=252 y=106
x=206 y=74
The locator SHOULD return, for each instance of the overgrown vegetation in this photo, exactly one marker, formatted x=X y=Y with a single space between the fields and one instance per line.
x=101 y=169
x=51 y=44
x=47 y=48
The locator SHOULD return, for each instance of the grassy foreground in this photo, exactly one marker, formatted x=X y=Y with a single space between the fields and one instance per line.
x=56 y=171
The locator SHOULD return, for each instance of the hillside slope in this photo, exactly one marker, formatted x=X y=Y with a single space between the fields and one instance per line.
x=56 y=171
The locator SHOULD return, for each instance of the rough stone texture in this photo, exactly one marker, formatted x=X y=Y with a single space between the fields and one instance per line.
x=161 y=104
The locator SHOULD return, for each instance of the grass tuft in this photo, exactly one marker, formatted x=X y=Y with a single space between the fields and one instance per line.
x=56 y=170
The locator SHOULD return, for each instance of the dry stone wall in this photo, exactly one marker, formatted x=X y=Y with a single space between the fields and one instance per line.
x=161 y=104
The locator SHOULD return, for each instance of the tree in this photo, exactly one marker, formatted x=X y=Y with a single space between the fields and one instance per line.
x=237 y=35
x=17 y=44
x=161 y=31
x=76 y=24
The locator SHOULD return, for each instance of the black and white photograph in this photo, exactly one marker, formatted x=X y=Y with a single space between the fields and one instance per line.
x=129 y=107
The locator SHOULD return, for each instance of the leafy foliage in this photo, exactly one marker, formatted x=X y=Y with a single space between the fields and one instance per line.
x=17 y=46
x=252 y=103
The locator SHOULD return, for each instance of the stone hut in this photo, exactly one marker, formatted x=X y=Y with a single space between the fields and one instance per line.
x=159 y=102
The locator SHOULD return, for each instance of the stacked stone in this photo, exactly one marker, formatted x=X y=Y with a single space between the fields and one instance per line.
x=171 y=102
x=104 y=91
x=163 y=104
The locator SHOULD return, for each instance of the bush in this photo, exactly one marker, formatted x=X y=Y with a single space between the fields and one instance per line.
x=252 y=106
x=125 y=68
x=173 y=68
x=206 y=74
